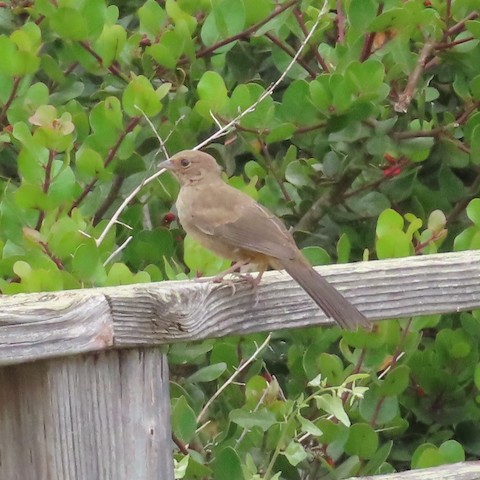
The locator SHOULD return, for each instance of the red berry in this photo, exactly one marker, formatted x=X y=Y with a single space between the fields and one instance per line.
x=169 y=218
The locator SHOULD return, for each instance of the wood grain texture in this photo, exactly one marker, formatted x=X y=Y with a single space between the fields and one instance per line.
x=92 y=417
x=178 y=311
x=63 y=323
x=455 y=471
x=36 y=326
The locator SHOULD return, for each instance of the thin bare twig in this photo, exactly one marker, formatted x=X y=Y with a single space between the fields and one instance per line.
x=125 y=202
x=299 y=17
x=289 y=51
x=406 y=96
x=460 y=26
x=117 y=250
x=340 y=22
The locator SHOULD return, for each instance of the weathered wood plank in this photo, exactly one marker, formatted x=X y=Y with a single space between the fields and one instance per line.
x=36 y=326
x=455 y=471
x=42 y=325
x=102 y=417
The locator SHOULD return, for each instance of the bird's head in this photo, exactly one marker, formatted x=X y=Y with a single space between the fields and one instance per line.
x=191 y=166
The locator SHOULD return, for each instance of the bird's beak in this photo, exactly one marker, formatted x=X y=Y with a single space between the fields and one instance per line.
x=167 y=164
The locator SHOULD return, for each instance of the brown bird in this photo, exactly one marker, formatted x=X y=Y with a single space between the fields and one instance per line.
x=234 y=226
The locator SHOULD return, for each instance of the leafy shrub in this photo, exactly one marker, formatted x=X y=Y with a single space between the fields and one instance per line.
x=369 y=143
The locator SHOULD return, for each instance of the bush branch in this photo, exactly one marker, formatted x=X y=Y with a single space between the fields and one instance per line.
x=244 y=34
x=111 y=155
x=11 y=97
x=406 y=96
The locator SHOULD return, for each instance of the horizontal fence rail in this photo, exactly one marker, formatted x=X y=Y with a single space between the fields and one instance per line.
x=45 y=325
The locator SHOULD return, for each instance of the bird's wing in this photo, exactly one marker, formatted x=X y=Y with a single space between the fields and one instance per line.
x=251 y=227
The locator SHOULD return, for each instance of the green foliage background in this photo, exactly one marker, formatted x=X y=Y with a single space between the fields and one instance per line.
x=369 y=148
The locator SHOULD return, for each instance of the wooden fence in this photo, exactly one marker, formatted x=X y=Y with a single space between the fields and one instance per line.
x=84 y=396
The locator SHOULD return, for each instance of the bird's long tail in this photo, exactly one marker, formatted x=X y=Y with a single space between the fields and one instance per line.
x=327 y=297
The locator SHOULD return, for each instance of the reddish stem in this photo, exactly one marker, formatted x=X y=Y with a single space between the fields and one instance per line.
x=299 y=16
x=369 y=38
x=46 y=185
x=245 y=33
x=111 y=155
x=13 y=93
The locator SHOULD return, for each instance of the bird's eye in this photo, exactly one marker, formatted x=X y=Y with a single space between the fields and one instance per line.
x=184 y=162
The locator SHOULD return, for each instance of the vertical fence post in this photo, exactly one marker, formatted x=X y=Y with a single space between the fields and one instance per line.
x=102 y=416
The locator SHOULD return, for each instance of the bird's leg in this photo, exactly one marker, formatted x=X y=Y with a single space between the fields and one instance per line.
x=220 y=277
x=254 y=282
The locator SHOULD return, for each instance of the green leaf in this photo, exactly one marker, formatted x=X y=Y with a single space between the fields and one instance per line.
x=16 y=62
x=426 y=456
x=295 y=453
x=254 y=169
x=379 y=458
x=202 y=261
x=317 y=255
x=366 y=77
x=343 y=248
x=152 y=18
x=452 y=451
x=309 y=427
x=261 y=418
x=227 y=465
x=473 y=211
x=227 y=18
x=254 y=390
x=281 y=132
x=331 y=368
x=110 y=43
x=375 y=406
x=370 y=205
x=212 y=94
x=140 y=93
x=224 y=351
x=208 y=374
x=298 y=173
x=63 y=185
x=320 y=94
x=150 y=246
x=362 y=441
x=119 y=274
x=69 y=24
x=394 y=244
x=179 y=354
x=89 y=162
x=32 y=196
x=361 y=13
x=31 y=164
x=86 y=260
x=333 y=406
x=184 y=421
x=396 y=381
